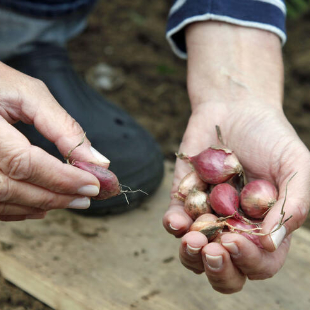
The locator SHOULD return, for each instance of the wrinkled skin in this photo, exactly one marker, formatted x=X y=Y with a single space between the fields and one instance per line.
x=254 y=126
x=32 y=181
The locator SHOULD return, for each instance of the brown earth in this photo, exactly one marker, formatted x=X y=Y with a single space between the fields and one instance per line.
x=129 y=36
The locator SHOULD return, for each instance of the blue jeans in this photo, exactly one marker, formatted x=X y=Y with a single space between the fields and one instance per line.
x=19 y=32
x=47 y=8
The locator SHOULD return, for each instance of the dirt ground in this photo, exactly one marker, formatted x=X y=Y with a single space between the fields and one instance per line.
x=129 y=36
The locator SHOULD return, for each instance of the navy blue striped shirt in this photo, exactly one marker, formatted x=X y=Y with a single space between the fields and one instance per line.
x=263 y=14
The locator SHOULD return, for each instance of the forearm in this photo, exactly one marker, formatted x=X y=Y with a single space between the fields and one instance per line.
x=233 y=64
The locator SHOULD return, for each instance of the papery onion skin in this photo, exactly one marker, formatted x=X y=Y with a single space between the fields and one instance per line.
x=257 y=197
x=189 y=182
x=216 y=165
x=197 y=203
x=208 y=225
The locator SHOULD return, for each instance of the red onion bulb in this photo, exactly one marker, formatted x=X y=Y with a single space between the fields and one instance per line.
x=109 y=185
x=215 y=164
x=236 y=224
x=224 y=200
x=257 y=197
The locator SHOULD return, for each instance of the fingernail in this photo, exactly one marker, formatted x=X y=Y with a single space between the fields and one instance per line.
x=173 y=228
x=191 y=250
x=88 y=190
x=79 y=203
x=214 y=262
x=278 y=236
x=231 y=247
x=99 y=156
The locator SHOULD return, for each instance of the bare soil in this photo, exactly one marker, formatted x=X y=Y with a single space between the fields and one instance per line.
x=130 y=36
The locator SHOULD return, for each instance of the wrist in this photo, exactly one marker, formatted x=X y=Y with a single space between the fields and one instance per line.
x=232 y=64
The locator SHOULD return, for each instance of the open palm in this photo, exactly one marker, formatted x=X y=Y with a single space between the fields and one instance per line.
x=268 y=148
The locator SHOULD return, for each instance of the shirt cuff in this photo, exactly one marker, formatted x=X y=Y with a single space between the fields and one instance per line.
x=268 y=15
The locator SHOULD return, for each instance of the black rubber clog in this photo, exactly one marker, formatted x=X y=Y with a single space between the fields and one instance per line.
x=135 y=157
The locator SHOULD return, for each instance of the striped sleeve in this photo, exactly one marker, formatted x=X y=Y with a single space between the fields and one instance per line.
x=262 y=14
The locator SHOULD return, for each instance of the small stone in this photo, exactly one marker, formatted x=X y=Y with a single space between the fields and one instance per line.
x=105 y=78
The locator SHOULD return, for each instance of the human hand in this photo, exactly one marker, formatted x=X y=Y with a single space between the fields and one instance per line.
x=33 y=182
x=256 y=129
x=269 y=149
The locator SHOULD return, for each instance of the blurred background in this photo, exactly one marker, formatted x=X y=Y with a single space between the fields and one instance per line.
x=123 y=53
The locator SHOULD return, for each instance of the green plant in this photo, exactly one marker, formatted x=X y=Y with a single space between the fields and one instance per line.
x=296 y=8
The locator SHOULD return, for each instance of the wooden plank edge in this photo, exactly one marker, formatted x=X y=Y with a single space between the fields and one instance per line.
x=59 y=299
x=37 y=286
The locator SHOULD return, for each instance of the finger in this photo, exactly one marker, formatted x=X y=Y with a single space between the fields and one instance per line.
x=26 y=194
x=21 y=161
x=55 y=123
x=10 y=218
x=7 y=209
x=190 y=251
x=175 y=220
x=221 y=272
x=297 y=202
x=252 y=261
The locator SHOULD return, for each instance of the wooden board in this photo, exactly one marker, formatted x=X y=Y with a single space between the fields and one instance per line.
x=128 y=261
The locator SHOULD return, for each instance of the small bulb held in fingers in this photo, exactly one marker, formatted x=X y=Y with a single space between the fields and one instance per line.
x=109 y=185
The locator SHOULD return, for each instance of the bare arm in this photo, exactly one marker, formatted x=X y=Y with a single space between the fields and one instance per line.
x=235 y=80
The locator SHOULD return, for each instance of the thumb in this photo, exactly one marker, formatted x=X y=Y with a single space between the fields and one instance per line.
x=294 y=202
x=55 y=124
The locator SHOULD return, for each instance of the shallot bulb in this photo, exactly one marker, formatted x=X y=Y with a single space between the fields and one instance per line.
x=257 y=197
x=109 y=185
x=245 y=230
x=224 y=200
x=197 y=203
x=189 y=182
x=215 y=164
x=209 y=225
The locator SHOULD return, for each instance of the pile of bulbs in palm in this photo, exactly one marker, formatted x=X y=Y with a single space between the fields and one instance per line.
x=217 y=197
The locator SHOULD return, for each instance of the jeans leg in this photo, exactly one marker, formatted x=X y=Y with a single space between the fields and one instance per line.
x=19 y=33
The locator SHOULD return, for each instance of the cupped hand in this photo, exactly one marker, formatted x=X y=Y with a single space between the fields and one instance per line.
x=33 y=182
x=268 y=148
